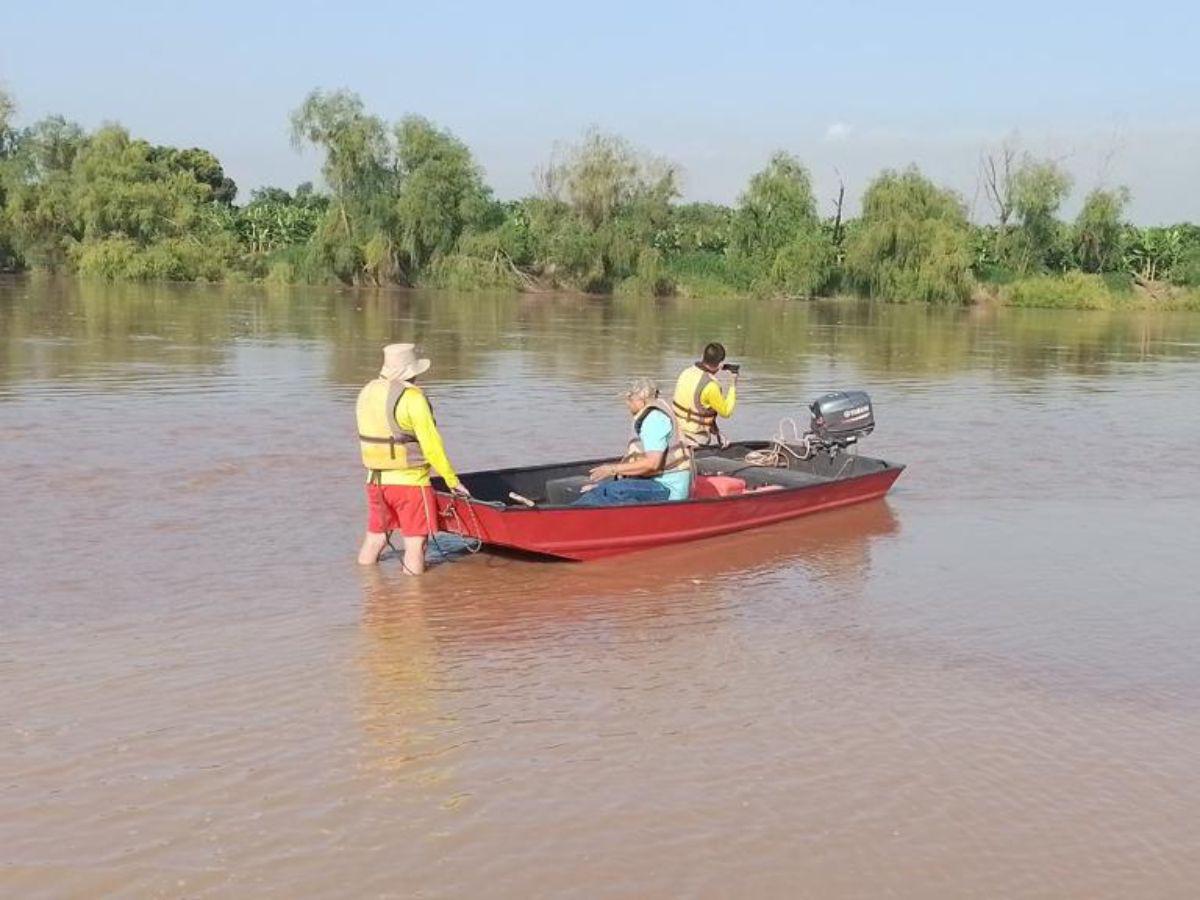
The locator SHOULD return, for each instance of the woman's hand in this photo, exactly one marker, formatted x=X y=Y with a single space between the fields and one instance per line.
x=607 y=470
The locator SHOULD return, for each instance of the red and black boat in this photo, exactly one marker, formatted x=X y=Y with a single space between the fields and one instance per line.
x=730 y=494
x=741 y=486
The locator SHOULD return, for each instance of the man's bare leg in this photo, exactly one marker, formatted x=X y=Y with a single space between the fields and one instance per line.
x=414 y=555
x=372 y=545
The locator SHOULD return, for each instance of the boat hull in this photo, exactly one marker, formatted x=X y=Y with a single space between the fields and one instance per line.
x=585 y=533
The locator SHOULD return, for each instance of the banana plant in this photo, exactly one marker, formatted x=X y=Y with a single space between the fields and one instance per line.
x=1151 y=253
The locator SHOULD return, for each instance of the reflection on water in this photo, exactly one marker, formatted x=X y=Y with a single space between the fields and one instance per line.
x=988 y=679
x=61 y=329
x=400 y=672
x=488 y=598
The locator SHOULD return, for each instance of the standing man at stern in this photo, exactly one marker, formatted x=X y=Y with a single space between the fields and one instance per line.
x=399 y=441
x=698 y=398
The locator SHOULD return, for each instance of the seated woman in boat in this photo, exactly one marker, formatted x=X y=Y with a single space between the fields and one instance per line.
x=656 y=467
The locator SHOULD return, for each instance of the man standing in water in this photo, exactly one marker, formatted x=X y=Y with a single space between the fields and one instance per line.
x=698 y=398
x=399 y=441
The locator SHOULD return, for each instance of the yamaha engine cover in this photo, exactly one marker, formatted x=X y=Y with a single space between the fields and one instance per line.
x=842 y=417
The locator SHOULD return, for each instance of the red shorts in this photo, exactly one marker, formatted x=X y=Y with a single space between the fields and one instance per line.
x=400 y=507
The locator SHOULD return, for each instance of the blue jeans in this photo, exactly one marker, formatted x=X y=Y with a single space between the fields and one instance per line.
x=612 y=491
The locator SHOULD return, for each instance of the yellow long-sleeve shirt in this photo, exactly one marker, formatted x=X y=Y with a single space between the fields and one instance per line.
x=722 y=404
x=413 y=414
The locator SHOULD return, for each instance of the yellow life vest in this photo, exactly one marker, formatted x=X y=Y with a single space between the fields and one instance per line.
x=384 y=444
x=697 y=420
x=678 y=457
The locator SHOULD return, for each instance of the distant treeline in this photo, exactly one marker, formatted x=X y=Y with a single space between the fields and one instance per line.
x=407 y=204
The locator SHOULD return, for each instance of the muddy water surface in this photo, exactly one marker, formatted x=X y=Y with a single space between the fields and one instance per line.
x=987 y=685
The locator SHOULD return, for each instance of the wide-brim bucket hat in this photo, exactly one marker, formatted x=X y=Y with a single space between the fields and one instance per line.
x=401 y=363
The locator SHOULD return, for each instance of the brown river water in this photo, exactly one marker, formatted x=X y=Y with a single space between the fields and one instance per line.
x=987 y=685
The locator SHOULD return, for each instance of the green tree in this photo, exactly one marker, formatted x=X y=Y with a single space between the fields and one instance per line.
x=777 y=206
x=121 y=186
x=355 y=240
x=51 y=145
x=202 y=166
x=39 y=202
x=776 y=228
x=601 y=204
x=912 y=242
x=110 y=205
x=804 y=266
x=8 y=254
x=40 y=215
x=358 y=159
x=603 y=174
x=140 y=217
x=1098 y=230
x=441 y=191
x=8 y=109
x=1038 y=190
x=401 y=197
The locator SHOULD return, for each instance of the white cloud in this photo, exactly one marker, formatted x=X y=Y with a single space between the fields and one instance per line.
x=838 y=131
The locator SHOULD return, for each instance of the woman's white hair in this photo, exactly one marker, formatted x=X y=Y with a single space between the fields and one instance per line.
x=644 y=388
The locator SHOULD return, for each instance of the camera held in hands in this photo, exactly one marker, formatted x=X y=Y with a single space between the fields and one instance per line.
x=732 y=367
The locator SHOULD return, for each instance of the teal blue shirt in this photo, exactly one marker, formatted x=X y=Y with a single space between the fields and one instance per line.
x=656 y=437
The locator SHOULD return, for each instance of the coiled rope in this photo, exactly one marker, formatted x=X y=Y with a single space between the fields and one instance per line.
x=461 y=529
x=781 y=451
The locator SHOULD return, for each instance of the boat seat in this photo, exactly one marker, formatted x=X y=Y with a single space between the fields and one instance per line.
x=565 y=491
x=763 y=476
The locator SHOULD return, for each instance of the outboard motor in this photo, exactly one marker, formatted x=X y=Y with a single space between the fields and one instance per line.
x=840 y=418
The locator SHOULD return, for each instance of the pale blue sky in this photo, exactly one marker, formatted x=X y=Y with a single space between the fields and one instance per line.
x=1113 y=90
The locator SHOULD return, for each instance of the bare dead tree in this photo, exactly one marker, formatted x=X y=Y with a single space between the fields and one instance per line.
x=545 y=182
x=1116 y=146
x=837 y=215
x=996 y=174
x=547 y=177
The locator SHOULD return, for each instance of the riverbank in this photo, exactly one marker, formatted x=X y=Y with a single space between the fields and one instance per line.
x=1077 y=290
x=1072 y=290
